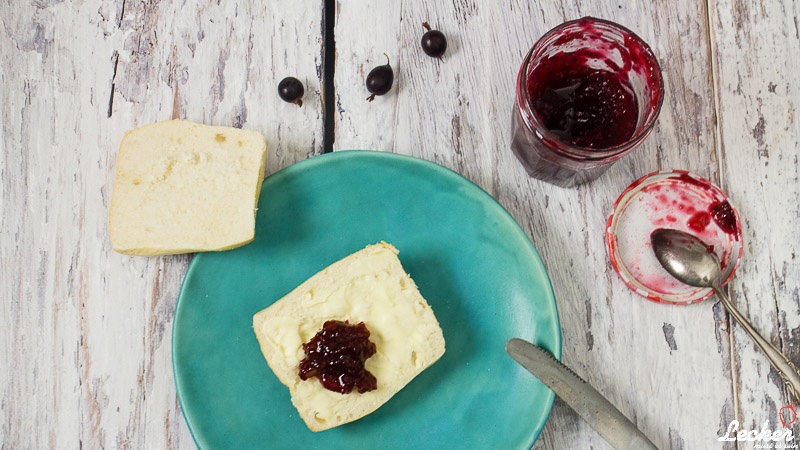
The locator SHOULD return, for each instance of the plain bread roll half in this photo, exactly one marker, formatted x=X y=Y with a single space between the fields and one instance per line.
x=184 y=187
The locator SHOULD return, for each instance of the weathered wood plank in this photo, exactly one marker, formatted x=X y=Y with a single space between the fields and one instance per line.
x=756 y=56
x=85 y=356
x=669 y=368
x=85 y=359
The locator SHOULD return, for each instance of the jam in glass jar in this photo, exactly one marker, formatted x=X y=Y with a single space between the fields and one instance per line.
x=588 y=93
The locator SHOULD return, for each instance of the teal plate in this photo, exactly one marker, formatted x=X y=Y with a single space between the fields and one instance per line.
x=478 y=270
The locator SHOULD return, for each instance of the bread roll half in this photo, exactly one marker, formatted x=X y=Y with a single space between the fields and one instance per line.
x=368 y=286
x=185 y=187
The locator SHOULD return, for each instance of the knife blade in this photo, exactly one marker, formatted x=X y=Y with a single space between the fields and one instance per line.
x=595 y=409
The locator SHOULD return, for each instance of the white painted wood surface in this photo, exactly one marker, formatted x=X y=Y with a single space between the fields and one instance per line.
x=681 y=373
x=85 y=359
x=85 y=354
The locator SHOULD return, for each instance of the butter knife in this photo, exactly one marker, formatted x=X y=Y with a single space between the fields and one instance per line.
x=595 y=409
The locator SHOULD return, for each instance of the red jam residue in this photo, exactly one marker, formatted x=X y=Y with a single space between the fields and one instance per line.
x=336 y=356
x=724 y=216
x=721 y=212
x=699 y=221
x=584 y=107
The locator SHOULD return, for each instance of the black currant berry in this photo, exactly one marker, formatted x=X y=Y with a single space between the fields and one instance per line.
x=291 y=90
x=433 y=42
x=380 y=79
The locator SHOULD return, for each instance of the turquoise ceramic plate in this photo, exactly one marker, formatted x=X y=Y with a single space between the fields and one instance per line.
x=470 y=259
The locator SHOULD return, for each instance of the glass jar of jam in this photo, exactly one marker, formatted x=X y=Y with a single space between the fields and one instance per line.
x=588 y=93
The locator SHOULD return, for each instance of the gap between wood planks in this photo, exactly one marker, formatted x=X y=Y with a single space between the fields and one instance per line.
x=328 y=65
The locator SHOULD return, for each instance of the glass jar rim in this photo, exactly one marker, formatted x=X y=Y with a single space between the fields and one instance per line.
x=585 y=153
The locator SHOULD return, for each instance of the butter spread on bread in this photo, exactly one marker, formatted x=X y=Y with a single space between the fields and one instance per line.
x=185 y=187
x=368 y=286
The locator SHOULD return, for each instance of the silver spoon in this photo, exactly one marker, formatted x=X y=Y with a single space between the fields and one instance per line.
x=693 y=262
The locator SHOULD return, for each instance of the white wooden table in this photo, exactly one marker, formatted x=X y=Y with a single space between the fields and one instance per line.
x=85 y=353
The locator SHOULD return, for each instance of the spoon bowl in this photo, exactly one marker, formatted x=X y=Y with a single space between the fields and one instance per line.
x=686 y=257
x=693 y=262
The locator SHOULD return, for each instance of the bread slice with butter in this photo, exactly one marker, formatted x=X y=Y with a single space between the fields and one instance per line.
x=368 y=286
x=186 y=187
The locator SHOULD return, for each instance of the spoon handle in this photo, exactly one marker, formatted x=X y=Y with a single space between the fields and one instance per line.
x=787 y=371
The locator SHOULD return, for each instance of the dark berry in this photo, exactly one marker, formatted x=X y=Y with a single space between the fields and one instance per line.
x=433 y=42
x=380 y=79
x=291 y=90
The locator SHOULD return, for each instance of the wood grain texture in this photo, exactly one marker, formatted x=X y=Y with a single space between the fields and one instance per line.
x=85 y=355
x=756 y=56
x=85 y=359
x=679 y=373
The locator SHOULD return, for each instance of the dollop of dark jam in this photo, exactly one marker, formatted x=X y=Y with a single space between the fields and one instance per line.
x=724 y=216
x=336 y=356
x=584 y=107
